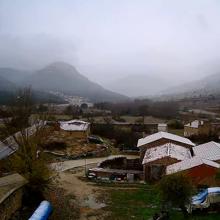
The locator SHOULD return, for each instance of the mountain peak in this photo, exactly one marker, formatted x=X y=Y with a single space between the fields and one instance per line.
x=63 y=77
x=60 y=65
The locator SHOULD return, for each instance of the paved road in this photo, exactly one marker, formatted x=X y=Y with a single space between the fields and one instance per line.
x=70 y=164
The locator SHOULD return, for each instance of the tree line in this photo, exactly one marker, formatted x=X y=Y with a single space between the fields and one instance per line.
x=138 y=107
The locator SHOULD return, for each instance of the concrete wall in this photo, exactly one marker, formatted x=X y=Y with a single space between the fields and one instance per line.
x=77 y=134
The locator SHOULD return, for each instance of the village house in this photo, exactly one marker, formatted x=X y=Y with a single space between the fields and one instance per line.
x=162 y=127
x=164 y=154
x=76 y=128
x=201 y=171
x=197 y=128
x=161 y=149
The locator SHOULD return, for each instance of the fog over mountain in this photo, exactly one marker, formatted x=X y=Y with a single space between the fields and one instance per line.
x=56 y=77
x=203 y=87
x=137 y=85
x=108 y=41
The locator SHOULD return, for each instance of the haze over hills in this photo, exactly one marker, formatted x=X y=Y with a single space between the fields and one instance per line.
x=61 y=77
x=14 y=75
x=139 y=85
x=6 y=85
x=208 y=85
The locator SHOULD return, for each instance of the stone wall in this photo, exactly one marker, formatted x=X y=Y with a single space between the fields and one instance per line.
x=11 y=204
x=122 y=163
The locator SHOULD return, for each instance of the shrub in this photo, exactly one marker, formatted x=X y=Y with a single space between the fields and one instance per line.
x=176 y=190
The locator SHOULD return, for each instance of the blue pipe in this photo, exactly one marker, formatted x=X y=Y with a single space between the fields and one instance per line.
x=42 y=212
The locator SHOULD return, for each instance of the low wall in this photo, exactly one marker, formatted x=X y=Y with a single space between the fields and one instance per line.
x=11 y=204
x=11 y=192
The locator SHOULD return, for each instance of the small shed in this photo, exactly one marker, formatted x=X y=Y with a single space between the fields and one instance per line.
x=197 y=127
x=116 y=173
x=76 y=128
x=162 y=127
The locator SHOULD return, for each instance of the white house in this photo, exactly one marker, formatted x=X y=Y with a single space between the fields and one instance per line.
x=162 y=127
x=76 y=128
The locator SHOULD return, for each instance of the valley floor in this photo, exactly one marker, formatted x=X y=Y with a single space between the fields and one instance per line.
x=115 y=201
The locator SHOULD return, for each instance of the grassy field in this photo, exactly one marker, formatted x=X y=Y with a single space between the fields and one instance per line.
x=141 y=203
x=179 y=132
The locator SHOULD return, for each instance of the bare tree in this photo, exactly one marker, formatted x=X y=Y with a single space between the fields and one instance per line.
x=26 y=132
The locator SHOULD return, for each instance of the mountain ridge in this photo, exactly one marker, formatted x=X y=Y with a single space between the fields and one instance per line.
x=139 y=85
x=63 y=77
x=208 y=85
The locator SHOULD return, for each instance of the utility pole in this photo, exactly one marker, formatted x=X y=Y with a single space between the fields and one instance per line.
x=85 y=164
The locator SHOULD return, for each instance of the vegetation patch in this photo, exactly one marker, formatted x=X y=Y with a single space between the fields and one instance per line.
x=141 y=203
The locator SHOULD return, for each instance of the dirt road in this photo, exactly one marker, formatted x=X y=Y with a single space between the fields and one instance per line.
x=89 y=197
x=70 y=164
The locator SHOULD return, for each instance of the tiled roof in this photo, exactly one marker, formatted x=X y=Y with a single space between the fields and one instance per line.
x=209 y=151
x=160 y=135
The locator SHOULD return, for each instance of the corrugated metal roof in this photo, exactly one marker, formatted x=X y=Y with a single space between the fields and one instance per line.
x=74 y=125
x=166 y=150
x=6 y=150
x=190 y=163
x=160 y=135
x=209 y=151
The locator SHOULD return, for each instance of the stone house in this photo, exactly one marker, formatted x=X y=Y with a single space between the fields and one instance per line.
x=161 y=149
x=196 y=128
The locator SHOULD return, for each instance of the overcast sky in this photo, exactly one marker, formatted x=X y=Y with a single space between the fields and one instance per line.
x=109 y=39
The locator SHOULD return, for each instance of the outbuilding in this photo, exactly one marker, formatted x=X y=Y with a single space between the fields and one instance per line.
x=200 y=170
x=196 y=128
x=76 y=128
